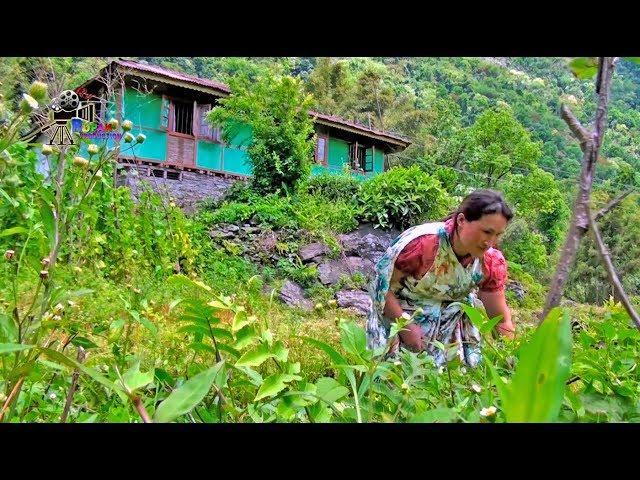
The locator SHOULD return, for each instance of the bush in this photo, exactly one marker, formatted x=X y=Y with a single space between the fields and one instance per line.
x=333 y=187
x=316 y=214
x=272 y=211
x=402 y=197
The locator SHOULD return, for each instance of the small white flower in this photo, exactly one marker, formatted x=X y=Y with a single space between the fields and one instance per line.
x=489 y=411
x=56 y=318
x=463 y=370
x=71 y=303
x=92 y=149
x=53 y=396
x=58 y=308
x=397 y=362
x=28 y=103
x=476 y=388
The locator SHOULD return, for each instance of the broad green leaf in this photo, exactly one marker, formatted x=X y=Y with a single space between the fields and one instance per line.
x=195 y=329
x=503 y=389
x=479 y=320
x=319 y=413
x=13 y=347
x=267 y=336
x=218 y=305
x=254 y=377
x=226 y=348
x=274 y=384
x=144 y=321
x=9 y=199
x=330 y=390
x=181 y=280
x=183 y=399
x=164 y=376
x=47 y=195
x=48 y=220
x=13 y=231
x=240 y=319
x=336 y=358
x=90 y=419
x=584 y=67
x=437 y=415
x=490 y=324
x=245 y=336
x=353 y=338
x=359 y=368
x=354 y=391
x=279 y=351
x=134 y=379
x=254 y=357
x=292 y=368
x=54 y=365
x=83 y=342
x=221 y=333
x=286 y=408
x=538 y=385
x=8 y=329
x=63 y=359
x=201 y=347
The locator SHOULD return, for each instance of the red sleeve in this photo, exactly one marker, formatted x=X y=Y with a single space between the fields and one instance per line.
x=418 y=255
x=494 y=269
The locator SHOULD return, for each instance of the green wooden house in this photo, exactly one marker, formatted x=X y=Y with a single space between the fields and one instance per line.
x=169 y=107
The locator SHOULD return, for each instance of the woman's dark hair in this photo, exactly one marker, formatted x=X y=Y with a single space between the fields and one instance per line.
x=479 y=203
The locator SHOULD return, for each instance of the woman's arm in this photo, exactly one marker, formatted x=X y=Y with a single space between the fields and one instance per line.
x=495 y=304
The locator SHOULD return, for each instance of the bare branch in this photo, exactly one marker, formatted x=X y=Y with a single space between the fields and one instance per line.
x=11 y=397
x=581 y=133
x=612 y=204
x=590 y=145
x=611 y=273
x=74 y=385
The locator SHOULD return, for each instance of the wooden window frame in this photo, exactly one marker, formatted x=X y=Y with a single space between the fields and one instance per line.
x=321 y=161
x=216 y=132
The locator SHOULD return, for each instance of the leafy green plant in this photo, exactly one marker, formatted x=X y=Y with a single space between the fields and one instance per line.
x=402 y=197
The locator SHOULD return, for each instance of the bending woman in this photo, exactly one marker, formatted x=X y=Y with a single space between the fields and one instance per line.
x=431 y=269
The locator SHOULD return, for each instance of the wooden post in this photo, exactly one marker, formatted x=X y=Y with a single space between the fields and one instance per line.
x=373 y=158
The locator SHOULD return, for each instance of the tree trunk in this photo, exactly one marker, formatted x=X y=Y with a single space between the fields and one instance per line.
x=590 y=144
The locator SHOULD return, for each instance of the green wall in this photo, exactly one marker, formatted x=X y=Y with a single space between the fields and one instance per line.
x=144 y=112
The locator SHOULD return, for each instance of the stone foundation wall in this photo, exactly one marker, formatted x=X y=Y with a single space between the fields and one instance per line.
x=186 y=187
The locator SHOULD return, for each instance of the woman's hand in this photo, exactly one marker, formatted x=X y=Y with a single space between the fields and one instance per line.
x=412 y=337
x=495 y=303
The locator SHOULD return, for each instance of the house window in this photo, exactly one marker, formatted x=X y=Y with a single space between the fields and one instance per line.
x=321 y=150
x=205 y=130
x=360 y=158
x=182 y=117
